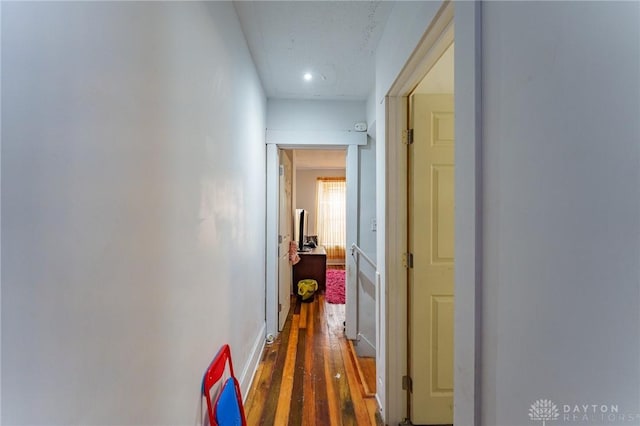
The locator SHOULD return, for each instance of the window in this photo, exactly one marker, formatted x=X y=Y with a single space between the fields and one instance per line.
x=331 y=216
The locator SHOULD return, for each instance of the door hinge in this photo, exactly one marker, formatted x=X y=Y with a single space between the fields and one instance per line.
x=281 y=170
x=407 y=260
x=407 y=136
x=407 y=383
x=279 y=307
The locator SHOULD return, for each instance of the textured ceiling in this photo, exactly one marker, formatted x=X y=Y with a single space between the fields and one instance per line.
x=335 y=41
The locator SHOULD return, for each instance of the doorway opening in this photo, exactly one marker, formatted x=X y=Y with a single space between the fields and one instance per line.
x=305 y=249
x=467 y=217
x=275 y=303
x=430 y=238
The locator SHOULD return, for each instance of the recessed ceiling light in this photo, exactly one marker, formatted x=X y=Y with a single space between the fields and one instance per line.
x=307 y=76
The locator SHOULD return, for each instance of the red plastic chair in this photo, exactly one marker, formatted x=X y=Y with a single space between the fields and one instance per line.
x=226 y=409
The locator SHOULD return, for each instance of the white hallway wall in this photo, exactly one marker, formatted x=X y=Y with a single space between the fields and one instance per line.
x=367 y=195
x=313 y=115
x=367 y=242
x=367 y=291
x=133 y=203
x=561 y=280
x=561 y=293
x=405 y=26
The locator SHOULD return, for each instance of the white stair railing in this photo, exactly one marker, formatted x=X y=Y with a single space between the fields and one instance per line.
x=366 y=327
x=355 y=249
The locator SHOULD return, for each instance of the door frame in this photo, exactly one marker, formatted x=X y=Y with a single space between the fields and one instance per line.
x=468 y=211
x=313 y=140
x=282 y=177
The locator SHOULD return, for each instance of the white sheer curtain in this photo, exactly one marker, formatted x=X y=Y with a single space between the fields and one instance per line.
x=331 y=216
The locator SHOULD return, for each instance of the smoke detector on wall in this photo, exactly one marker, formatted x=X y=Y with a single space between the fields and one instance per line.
x=360 y=126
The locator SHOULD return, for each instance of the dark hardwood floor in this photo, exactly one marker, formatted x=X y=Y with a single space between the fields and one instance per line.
x=307 y=376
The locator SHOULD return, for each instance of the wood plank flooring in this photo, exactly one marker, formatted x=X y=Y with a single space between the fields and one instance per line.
x=307 y=377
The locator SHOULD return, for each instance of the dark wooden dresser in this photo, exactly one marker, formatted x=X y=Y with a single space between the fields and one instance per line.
x=312 y=265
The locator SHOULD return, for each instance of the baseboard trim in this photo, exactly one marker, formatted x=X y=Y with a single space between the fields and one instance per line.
x=246 y=378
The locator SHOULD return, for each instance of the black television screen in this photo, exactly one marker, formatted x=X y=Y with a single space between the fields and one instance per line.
x=302 y=217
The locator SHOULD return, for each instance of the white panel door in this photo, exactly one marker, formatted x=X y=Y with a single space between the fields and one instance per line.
x=431 y=240
x=284 y=237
